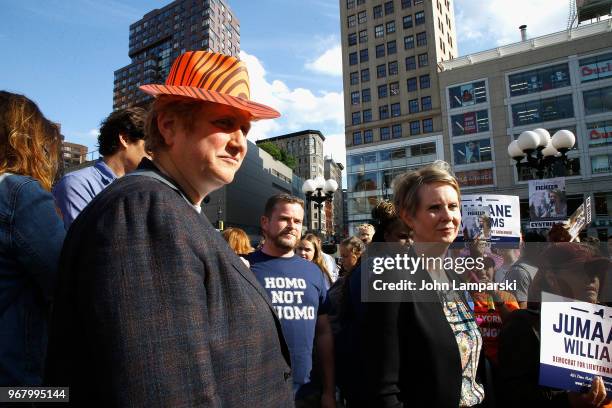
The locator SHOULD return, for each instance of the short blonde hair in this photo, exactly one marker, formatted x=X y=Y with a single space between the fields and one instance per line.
x=406 y=186
x=364 y=227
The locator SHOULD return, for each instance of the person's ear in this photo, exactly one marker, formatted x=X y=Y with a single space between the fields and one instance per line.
x=167 y=124
x=123 y=140
x=407 y=218
x=263 y=222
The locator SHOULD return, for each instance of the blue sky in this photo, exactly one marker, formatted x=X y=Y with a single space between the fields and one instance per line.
x=62 y=54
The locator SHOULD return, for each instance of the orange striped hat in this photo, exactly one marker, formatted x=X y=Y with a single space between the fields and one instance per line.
x=212 y=77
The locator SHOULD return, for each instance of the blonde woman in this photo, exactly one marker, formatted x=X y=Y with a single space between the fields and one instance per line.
x=31 y=237
x=309 y=248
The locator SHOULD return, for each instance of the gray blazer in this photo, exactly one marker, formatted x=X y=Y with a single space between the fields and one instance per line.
x=154 y=310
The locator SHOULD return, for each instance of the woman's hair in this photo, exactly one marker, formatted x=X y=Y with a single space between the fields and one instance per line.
x=558 y=233
x=385 y=218
x=238 y=240
x=406 y=186
x=29 y=142
x=185 y=110
x=354 y=244
x=318 y=254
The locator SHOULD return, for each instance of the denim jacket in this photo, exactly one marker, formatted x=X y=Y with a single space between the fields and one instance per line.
x=31 y=238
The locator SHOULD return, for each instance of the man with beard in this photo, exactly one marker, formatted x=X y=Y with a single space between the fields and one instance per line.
x=297 y=290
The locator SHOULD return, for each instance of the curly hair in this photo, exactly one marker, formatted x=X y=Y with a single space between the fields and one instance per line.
x=29 y=142
x=129 y=122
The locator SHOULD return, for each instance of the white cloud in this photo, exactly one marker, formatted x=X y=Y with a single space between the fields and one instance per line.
x=328 y=63
x=486 y=24
x=301 y=108
x=94 y=133
x=334 y=146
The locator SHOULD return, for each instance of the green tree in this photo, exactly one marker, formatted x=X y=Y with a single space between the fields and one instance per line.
x=272 y=149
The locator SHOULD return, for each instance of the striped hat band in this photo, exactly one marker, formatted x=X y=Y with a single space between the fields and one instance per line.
x=212 y=77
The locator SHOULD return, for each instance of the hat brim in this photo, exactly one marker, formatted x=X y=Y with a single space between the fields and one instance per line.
x=256 y=110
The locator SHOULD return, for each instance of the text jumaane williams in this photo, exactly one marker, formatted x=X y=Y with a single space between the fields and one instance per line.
x=410 y=264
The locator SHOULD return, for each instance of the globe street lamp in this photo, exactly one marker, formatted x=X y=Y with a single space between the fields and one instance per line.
x=319 y=190
x=550 y=153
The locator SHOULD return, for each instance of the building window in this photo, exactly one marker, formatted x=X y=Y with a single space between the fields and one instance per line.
x=415 y=127
x=427 y=125
x=380 y=50
x=363 y=55
x=365 y=74
x=423 y=149
x=599 y=133
x=396 y=131
x=412 y=84
x=361 y=17
x=407 y=21
x=601 y=164
x=388 y=7
x=468 y=94
x=356 y=118
x=352 y=39
x=406 y=3
x=350 y=4
x=354 y=78
x=395 y=109
x=390 y=27
x=597 y=100
x=426 y=103
x=424 y=81
x=421 y=39
x=381 y=71
x=367 y=115
x=419 y=18
x=366 y=95
x=391 y=47
x=383 y=112
x=474 y=151
x=351 y=21
x=423 y=60
x=418 y=2
x=363 y=36
x=384 y=133
x=538 y=80
x=543 y=110
x=353 y=58
x=379 y=31
x=413 y=105
x=594 y=68
x=471 y=122
x=368 y=136
x=410 y=63
x=394 y=88
x=355 y=98
x=382 y=91
x=357 y=138
x=409 y=42
x=377 y=11
x=393 y=68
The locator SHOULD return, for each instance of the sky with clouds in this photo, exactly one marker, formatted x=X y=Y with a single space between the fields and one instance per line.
x=63 y=54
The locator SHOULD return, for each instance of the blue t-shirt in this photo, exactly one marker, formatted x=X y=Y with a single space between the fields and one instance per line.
x=297 y=290
x=76 y=189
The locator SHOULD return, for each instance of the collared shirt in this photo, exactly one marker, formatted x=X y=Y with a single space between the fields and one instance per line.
x=75 y=190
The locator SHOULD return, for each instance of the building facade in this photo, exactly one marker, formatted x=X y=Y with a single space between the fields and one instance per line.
x=163 y=34
x=73 y=155
x=393 y=118
x=334 y=222
x=557 y=81
x=306 y=147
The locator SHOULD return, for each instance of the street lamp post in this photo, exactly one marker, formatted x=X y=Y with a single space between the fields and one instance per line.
x=550 y=153
x=319 y=190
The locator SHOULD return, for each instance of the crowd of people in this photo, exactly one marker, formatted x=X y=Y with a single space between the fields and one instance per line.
x=114 y=283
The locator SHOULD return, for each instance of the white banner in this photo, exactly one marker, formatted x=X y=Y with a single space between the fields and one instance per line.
x=501 y=223
x=575 y=345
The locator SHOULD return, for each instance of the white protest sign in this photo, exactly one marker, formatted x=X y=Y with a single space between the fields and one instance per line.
x=503 y=217
x=575 y=343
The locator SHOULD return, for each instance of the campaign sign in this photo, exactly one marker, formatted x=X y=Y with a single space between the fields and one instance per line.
x=576 y=340
x=547 y=202
x=501 y=223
